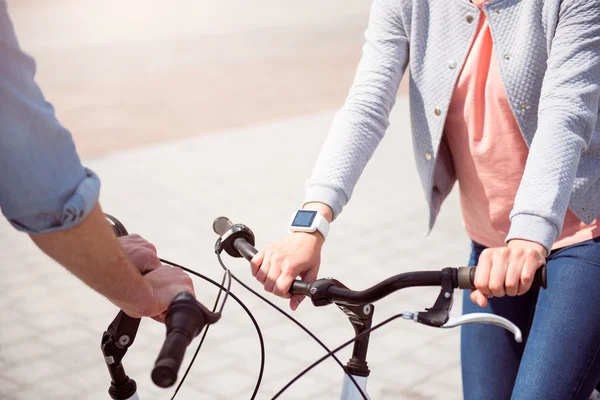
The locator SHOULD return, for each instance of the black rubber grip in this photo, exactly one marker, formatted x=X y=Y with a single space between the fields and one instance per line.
x=244 y=248
x=169 y=360
x=300 y=287
x=466 y=278
x=184 y=320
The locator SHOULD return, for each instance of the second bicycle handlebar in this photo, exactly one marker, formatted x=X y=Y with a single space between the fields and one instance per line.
x=463 y=277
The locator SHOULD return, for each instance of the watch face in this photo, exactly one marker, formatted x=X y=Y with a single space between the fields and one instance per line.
x=304 y=218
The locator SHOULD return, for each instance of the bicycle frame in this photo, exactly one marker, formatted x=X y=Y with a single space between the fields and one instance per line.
x=349 y=390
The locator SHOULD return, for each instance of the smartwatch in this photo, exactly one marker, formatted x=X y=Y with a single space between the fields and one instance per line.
x=309 y=221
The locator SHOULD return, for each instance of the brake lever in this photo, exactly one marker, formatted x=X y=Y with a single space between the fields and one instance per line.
x=484 y=318
x=438 y=316
x=473 y=318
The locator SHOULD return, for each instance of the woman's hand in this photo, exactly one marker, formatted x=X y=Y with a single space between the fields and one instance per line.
x=507 y=270
x=277 y=265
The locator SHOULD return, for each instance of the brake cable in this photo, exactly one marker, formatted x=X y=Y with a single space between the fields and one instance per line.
x=244 y=307
x=299 y=324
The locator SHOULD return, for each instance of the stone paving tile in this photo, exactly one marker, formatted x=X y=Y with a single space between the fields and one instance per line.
x=15 y=332
x=7 y=387
x=36 y=370
x=55 y=388
x=21 y=352
x=68 y=336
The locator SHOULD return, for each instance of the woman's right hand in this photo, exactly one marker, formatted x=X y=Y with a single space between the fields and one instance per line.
x=278 y=264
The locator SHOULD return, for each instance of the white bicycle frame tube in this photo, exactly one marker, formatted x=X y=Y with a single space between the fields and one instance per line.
x=349 y=390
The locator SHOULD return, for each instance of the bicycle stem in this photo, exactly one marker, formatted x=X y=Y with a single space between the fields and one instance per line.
x=361 y=318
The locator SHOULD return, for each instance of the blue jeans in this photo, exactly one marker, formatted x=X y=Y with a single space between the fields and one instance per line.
x=560 y=354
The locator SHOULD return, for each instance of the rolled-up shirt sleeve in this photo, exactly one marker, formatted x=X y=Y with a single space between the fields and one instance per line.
x=43 y=185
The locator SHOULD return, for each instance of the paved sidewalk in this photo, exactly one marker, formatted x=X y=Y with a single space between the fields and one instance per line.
x=51 y=324
x=125 y=73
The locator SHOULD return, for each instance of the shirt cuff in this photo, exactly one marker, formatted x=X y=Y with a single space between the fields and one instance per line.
x=75 y=209
x=334 y=198
x=533 y=228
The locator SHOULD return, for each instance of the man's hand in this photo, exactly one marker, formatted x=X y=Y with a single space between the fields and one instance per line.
x=141 y=252
x=91 y=252
x=507 y=270
x=165 y=282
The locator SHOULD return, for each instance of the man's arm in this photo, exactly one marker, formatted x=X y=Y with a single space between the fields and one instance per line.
x=91 y=252
x=46 y=192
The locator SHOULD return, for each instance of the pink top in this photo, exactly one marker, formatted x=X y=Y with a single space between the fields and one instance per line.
x=488 y=150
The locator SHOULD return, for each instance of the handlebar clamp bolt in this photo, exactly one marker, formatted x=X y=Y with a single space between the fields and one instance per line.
x=124 y=340
x=447 y=295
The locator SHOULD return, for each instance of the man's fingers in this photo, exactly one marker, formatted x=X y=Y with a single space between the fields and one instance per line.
x=160 y=318
x=152 y=262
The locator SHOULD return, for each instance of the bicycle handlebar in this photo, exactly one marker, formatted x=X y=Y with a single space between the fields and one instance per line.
x=463 y=277
x=185 y=319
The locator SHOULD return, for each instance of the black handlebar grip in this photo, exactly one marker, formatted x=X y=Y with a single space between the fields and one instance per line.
x=221 y=225
x=300 y=287
x=245 y=248
x=169 y=360
x=184 y=321
x=466 y=278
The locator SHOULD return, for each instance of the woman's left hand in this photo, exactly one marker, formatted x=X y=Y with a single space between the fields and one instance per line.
x=507 y=270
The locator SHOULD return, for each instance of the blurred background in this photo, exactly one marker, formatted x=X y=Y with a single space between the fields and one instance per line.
x=188 y=110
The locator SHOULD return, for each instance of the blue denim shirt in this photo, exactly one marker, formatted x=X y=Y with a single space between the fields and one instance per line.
x=43 y=186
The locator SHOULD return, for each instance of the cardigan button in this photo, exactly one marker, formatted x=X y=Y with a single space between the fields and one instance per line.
x=469 y=18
